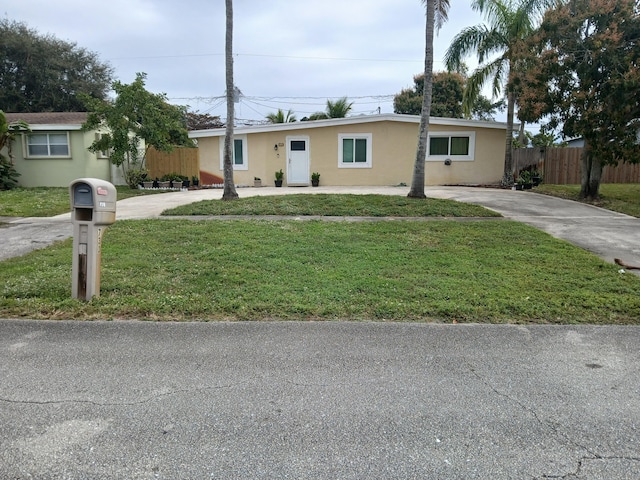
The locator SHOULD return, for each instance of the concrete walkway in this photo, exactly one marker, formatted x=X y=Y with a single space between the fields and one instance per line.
x=607 y=234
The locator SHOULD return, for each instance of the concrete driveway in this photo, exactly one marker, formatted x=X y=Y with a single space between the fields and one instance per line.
x=335 y=400
x=607 y=234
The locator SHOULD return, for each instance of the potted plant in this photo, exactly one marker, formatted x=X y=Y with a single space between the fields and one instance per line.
x=279 y=177
x=257 y=182
x=524 y=180
x=536 y=177
x=171 y=180
x=165 y=181
x=315 y=179
x=194 y=181
x=148 y=183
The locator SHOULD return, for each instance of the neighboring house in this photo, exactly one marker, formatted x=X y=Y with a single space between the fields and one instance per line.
x=575 y=142
x=359 y=150
x=55 y=152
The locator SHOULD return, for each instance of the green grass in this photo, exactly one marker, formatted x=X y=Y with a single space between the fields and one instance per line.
x=334 y=204
x=435 y=271
x=619 y=197
x=48 y=201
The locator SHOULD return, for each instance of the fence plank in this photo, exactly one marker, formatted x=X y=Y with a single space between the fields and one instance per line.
x=182 y=160
x=561 y=166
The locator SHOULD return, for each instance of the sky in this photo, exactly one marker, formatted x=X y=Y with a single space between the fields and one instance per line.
x=287 y=54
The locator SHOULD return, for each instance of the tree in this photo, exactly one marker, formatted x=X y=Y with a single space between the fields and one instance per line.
x=584 y=75
x=40 y=73
x=446 y=98
x=229 y=192
x=8 y=132
x=510 y=23
x=281 y=117
x=437 y=11
x=338 y=109
x=202 y=121
x=135 y=115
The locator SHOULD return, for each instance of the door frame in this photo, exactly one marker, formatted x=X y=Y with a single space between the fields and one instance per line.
x=307 y=141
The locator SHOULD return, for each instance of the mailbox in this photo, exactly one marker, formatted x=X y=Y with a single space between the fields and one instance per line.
x=93 y=200
x=93 y=208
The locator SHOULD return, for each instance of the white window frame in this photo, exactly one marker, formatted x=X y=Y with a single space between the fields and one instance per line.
x=466 y=158
x=245 y=153
x=48 y=155
x=102 y=154
x=356 y=136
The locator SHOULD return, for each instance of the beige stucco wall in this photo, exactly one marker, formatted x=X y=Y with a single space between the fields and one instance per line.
x=59 y=172
x=393 y=155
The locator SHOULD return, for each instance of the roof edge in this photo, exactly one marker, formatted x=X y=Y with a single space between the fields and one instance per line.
x=355 y=120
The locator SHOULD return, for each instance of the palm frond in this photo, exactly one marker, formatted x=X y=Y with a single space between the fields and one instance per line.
x=441 y=12
x=463 y=44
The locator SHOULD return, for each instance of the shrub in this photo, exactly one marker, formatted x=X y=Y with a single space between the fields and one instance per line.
x=8 y=174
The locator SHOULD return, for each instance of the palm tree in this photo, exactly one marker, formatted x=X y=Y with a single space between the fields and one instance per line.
x=229 y=192
x=437 y=11
x=338 y=109
x=496 y=45
x=281 y=117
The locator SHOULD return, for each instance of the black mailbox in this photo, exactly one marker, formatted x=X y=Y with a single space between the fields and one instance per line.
x=82 y=195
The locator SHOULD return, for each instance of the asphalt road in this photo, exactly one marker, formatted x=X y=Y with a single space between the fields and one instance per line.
x=132 y=400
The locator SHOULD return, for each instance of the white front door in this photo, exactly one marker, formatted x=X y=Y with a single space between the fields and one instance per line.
x=298 y=161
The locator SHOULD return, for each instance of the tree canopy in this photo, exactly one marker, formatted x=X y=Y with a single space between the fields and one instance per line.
x=446 y=100
x=202 y=121
x=335 y=109
x=135 y=115
x=583 y=75
x=40 y=73
x=281 y=117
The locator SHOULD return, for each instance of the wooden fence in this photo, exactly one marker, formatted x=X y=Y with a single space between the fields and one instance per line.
x=561 y=166
x=182 y=160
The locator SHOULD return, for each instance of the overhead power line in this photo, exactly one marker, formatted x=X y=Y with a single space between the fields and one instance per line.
x=292 y=57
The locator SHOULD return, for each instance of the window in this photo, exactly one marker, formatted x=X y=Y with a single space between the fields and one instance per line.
x=354 y=150
x=48 y=145
x=240 y=155
x=451 y=145
x=102 y=153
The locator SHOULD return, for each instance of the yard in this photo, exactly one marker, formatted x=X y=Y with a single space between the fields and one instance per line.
x=481 y=269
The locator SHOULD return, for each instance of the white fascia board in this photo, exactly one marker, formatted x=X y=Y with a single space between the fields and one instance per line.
x=355 y=120
x=62 y=128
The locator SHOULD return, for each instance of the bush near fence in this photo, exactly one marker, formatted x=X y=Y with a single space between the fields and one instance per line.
x=561 y=166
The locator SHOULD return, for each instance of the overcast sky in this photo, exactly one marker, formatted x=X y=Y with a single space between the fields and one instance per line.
x=288 y=54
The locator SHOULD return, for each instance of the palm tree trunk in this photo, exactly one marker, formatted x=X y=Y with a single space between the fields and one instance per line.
x=418 y=179
x=507 y=176
x=229 y=185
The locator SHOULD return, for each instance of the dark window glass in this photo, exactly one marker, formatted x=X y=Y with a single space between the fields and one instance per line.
x=298 y=145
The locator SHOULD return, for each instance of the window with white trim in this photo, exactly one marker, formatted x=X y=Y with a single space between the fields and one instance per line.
x=355 y=150
x=102 y=153
x=240 y=153
x=451 y=145
x=48 y=145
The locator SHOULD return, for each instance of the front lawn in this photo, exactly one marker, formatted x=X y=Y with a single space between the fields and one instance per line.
x=619 y=197
x=488 y=270
x=49 y=201
x=334 y=205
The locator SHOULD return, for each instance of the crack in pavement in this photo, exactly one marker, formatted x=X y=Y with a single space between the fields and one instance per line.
x=582 y=461
x=553 y=428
